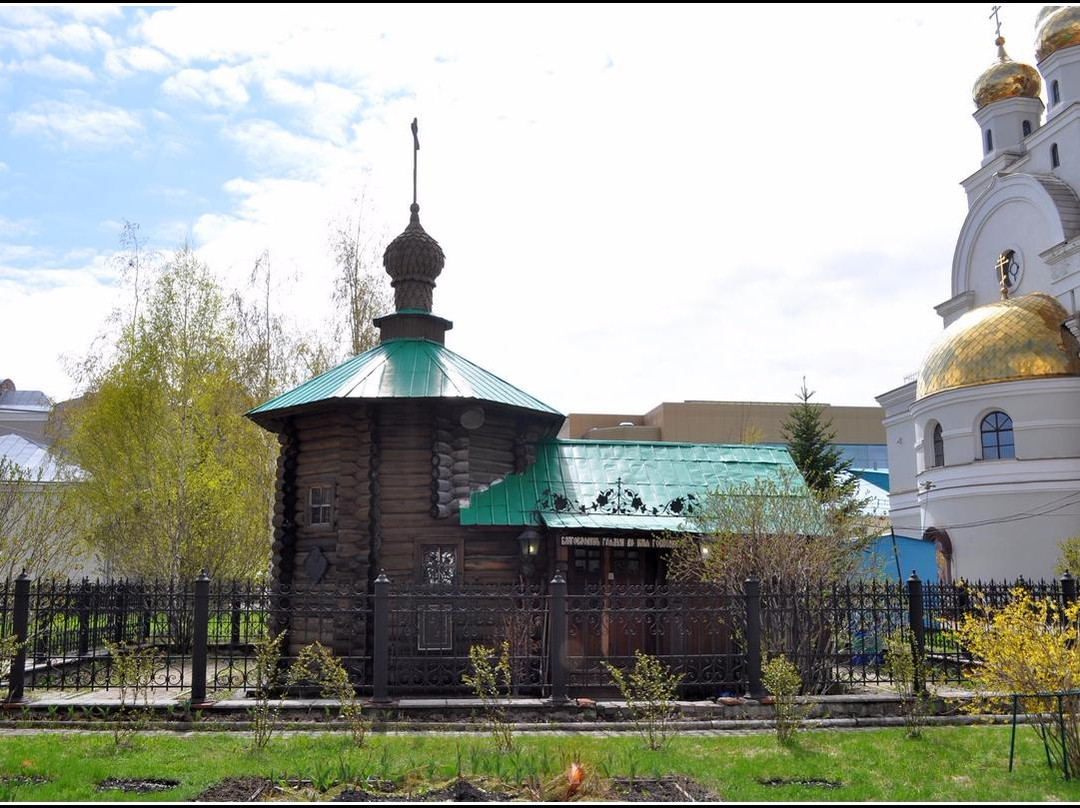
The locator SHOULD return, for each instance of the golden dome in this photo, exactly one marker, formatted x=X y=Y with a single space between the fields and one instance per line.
x=1006 y=79
x=1057 y=31
x=1020 y=338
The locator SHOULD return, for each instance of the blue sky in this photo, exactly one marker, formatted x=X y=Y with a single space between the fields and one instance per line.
x=638 y=204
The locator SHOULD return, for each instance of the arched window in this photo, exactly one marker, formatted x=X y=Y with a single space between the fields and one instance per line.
x=1026 y=128
x=1055 y=158
x=997 y=437
x=939 y=447
x=1055 y=93
x=989 y=141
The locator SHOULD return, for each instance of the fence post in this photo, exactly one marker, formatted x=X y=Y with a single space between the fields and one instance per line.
x=918 y=628
x=201 y=630
x=1068 y=590
x=557 y=644
x=752 y=589
x=20 y=625
x=380 y=674
x=146 y=604
x=234 y=621
x=84 y=618
x=120 y=616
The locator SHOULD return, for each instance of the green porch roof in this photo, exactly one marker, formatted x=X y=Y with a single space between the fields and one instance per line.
x=405 y=368
x=647 y=483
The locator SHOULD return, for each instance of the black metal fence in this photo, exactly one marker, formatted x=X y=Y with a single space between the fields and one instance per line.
x=410 y=640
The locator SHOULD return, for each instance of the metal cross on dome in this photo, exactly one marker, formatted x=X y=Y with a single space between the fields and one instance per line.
x=416 y=151
x=997 y=21
x=1002 y=268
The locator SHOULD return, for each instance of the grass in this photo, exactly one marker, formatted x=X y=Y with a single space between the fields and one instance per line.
x=949 y=764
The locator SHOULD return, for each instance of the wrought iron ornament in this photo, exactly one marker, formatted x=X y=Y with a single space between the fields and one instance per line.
x=618 y=500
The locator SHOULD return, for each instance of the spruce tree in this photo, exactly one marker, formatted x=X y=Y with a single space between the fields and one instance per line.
x=809 y=436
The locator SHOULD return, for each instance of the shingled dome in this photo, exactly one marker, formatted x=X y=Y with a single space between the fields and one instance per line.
x=1007 y=340
x=413 y=261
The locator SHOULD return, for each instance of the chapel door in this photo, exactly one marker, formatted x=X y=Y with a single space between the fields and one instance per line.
x=585 y=581
x=630 y=609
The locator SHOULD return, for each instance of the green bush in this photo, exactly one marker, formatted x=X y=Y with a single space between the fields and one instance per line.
x=907 y=673
x=650 y=691
x=318 y=665
x=782 y=681
x=491 y=682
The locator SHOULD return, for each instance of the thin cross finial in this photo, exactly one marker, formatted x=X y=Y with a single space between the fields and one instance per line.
x=997 y=21
x=416 y=151
x=1003 y=274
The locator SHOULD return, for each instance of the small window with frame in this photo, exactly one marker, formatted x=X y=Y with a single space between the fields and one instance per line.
x=438 y=564
x=321 y=505
x=435 y=620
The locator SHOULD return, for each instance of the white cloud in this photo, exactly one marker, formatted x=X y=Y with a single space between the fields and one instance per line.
x=224 y=33
x=323 y=109
x=59 y=312
x=50 y=67
x=47 y=35
x=220 y=87
x=13 y=227
x=269 y=146
x=93 y=126
x=124 y=62
x=93 y=12
x=4 y=167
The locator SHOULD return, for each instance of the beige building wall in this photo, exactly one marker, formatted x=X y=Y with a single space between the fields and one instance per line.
x=720 y=422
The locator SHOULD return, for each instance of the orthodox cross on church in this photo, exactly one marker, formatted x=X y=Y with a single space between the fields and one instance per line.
x=416 y=151
x=1003 y=274
x=997 y=21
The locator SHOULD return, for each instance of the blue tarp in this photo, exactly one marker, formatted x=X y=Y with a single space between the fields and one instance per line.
x=919 y=555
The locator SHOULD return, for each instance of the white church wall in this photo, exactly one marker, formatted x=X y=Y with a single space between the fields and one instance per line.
x=992 y=537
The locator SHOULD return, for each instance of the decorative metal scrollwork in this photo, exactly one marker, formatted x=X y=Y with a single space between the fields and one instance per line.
x=617 y=500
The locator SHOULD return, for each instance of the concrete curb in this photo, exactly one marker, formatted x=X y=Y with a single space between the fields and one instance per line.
x=570 y=728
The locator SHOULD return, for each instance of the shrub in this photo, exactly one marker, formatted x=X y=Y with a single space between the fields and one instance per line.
x=133 y=669
x=650 y=691
x=8 y=648
x=264 y=715
x=906 y=670
x=491 y=682
x=317 y=664
x=1028 y=646
x=782 y=681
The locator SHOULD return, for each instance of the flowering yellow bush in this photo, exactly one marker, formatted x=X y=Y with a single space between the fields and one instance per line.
x=1028 y=647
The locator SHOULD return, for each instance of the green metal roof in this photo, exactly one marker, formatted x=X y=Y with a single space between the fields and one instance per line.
x=647 y=483
x=405 y=368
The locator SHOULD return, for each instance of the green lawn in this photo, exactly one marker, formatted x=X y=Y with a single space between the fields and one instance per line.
x=948 y=764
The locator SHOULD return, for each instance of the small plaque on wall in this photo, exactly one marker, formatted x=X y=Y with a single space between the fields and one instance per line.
x=315 y=565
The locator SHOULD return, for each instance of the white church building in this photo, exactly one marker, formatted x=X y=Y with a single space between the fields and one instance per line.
x=984 y=446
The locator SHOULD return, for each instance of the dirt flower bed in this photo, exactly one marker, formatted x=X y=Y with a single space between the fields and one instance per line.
x=640 y=789
x=131 y=785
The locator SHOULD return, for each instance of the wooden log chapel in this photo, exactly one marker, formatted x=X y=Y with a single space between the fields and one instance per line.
x=411 y=460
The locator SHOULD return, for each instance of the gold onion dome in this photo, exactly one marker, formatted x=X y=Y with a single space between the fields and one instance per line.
x=1057 y=30
x=413 y=261
x=1018 y=338
x=1006 y=79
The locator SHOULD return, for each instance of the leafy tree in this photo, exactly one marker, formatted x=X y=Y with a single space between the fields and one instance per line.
x=173 y=478
x=37 y=525
x=274 y=354
x=360 y=289
x=771 y=529
x=1069 y=560
x=796 y=542
x=809 y=436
